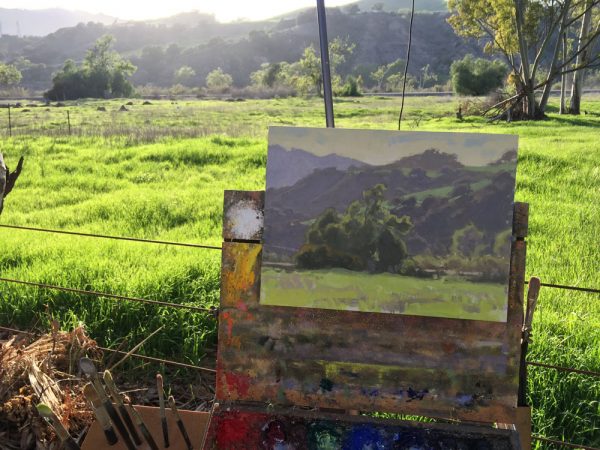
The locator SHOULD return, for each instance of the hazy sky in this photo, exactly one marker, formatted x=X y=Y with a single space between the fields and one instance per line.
x=384 y=147
x=225 y=10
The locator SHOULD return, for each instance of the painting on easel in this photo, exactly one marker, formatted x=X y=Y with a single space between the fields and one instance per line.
x=391 y=222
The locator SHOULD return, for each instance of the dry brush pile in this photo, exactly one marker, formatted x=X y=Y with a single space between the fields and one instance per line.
x=42 y=370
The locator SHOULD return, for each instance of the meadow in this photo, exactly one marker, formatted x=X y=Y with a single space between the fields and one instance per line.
x=159 y=171
x=346 y=290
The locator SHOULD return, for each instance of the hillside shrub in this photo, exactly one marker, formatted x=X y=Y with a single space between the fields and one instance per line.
x=477 y=76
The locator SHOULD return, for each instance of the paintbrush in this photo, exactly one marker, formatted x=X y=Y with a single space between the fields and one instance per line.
x=65 y=438
x=111 y=387
x=163 y=414
x=137 y=418
x=100 y=413
x=180 y=424
x=87 y=366
x=532 y=297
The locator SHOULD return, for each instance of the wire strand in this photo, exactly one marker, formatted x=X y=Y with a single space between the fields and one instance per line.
x=410 y=28
x=111 y=296
x=562 y=443
x=118 y=238
x=563 y=369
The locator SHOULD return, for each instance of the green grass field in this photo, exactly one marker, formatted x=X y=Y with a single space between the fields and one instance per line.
x=387 y=293
x=159 y=172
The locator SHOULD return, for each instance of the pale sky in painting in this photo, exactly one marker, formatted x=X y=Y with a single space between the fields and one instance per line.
x=384 y=147
x=224 y=10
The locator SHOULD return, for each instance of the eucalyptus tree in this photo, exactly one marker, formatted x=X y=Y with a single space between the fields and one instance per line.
x=528 y=33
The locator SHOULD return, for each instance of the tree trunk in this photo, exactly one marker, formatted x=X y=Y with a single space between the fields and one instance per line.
x=563 y=80
x=529 y=107
x=582 y=60
x=555 y=56
x=2 y=182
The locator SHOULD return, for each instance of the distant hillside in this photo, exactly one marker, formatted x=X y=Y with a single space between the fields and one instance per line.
x=453 y=195
x=304 y=163
x=42 y=22
x=159 y=48
x=397 y=5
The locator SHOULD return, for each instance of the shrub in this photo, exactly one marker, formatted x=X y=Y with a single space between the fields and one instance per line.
x=477 y=76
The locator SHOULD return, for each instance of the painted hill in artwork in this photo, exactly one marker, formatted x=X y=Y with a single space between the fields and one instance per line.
x=303 y=163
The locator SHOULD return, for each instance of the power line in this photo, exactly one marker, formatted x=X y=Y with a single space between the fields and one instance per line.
x=118 y=238
x=410 y=28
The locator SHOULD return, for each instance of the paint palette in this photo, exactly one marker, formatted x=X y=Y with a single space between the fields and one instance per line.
x=234 y=427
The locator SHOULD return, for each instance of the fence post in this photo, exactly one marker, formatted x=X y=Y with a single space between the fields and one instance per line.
x=9 y=123
x=69 y=121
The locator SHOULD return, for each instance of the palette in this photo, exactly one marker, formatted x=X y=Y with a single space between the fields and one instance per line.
x=430 y=366
x=235 y=427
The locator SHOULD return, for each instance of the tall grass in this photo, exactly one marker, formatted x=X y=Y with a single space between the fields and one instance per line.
x=160 y=173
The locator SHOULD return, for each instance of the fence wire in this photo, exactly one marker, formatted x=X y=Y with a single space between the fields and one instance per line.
x=110 y=296
x=214 y=247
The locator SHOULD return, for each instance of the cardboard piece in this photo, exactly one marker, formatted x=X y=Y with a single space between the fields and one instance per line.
x=195 y=423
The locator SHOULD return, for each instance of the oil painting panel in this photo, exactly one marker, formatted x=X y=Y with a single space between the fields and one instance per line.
x=392 y=222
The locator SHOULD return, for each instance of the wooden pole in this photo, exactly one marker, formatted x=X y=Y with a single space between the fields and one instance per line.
x=9 y=123
x=69 y=121
x=325 y=64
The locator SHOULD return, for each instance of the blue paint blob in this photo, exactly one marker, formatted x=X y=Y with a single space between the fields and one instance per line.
x=365 y=437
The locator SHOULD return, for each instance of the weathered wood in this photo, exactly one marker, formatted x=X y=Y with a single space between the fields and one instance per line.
x=438 y=367
x=243 y=427
x=520 y=220
x=8 y=179
x=3 y=174
x=243 y=215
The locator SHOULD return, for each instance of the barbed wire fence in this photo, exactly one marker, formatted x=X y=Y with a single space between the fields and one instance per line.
x=213 y=311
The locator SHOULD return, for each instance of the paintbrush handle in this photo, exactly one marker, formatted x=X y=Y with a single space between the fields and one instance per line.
x=186 y=437
x=129 y=424
x=114 y=416
x=180 y=424
x=143 y=428
x=165 y=429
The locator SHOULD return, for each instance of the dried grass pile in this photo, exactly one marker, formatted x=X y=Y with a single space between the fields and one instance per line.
x=43 y=369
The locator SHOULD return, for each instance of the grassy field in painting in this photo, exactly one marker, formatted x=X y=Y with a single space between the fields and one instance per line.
x=387 y=293
x=160 y=173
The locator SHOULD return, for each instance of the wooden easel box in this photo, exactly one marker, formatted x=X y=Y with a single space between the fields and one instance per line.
x=195 y=424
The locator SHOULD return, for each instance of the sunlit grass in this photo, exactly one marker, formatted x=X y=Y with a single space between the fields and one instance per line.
x=159 y=172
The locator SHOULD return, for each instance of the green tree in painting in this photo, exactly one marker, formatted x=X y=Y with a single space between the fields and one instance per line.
x=366 y=237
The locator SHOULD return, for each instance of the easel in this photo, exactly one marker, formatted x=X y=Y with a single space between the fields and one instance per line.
x=461 y=370
x=274 y=360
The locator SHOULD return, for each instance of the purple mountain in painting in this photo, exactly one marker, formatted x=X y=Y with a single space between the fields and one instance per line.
x=287 y=167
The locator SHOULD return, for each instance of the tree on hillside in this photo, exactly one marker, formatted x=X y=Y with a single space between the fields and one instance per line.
x=184 y=75
x=367 y=237
x=103 y=73
x=310 y=77
x=477 y=76
x=9 y=75
x=218 y=80
x=383 y=72
x=526 y=32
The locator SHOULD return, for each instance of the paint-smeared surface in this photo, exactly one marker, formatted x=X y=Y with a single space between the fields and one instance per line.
x=235 y=428
x=373 y=362
x=244 y=216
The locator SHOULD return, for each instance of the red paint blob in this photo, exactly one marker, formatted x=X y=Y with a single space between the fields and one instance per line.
x=238 y=382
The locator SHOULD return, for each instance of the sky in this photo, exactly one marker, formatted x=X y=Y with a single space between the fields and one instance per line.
x=224 y=10
x=384 y=147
